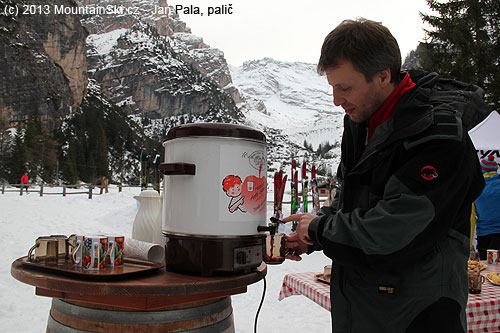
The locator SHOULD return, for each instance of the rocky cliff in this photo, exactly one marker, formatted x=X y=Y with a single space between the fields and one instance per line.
x=137 y=69
x=151 y=93
x=42 y=62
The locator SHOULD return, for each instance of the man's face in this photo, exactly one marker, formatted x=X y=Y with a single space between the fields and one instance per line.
x=358 y=97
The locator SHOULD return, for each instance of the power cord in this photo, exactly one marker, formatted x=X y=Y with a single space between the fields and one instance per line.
x=260 y=306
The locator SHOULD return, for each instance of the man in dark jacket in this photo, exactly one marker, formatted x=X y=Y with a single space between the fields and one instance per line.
x=398 y=230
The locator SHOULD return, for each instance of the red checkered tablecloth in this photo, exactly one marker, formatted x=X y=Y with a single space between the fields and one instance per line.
x=483 y=310
x=308 y=285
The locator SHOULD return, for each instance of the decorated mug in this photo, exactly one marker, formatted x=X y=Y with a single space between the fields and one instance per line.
x=114 y=257
x=94 y=252
x=492 y=256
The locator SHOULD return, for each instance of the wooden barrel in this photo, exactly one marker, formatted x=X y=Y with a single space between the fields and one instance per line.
x=211 y=316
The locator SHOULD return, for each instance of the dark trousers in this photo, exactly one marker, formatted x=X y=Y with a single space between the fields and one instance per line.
x=487 y=242
x=442 y=316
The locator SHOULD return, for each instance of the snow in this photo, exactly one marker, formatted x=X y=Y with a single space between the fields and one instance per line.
x=298 y=101
x=105 y=42
x=189 y=39
x=26 y=217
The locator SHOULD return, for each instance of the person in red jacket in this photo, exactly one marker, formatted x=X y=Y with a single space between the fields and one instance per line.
x=24 y=182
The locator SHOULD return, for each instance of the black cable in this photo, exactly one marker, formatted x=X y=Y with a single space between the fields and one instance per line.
x=260 y=306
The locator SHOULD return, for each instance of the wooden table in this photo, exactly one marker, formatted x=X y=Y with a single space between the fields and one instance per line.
x=483 y=310
x=158 y=302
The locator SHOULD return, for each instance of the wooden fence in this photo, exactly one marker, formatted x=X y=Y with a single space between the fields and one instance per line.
x=87 y=189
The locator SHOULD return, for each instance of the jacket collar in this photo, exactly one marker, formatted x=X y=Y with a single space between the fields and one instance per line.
x=413 y=115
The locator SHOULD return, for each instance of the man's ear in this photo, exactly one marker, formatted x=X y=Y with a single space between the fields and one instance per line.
x=384 y=77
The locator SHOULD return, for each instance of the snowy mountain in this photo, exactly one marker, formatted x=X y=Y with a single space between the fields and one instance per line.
x=157 y=73
x=292 y=98
x=164 y=74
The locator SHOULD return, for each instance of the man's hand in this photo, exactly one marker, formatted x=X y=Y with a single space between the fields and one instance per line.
x=304 y=220
x=294 y=247
x=298 y=242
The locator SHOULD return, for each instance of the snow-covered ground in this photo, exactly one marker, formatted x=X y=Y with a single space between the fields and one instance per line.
x=24 y=218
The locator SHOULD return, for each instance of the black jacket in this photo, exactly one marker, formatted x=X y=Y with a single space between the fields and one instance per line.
x=398 y=231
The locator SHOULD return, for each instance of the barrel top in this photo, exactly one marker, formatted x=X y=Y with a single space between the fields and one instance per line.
x=157 y=284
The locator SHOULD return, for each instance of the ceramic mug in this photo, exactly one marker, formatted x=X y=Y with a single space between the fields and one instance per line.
x=62 y=245
x=46 y=250
x=76 y=243
x=94 y=252
x=492 y=256
x=114 y=257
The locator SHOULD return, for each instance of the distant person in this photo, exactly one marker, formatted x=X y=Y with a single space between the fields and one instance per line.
x=24 y=183
x=398 y=229
x=104 y=185
x=486 y=209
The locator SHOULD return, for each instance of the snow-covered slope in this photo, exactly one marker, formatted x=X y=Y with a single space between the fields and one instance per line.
x=297 y=100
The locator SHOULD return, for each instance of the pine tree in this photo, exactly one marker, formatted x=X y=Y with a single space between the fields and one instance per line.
x=464 y=44
x=5 y=147
x=100 y=140
x=16 y=164
x=69 y=169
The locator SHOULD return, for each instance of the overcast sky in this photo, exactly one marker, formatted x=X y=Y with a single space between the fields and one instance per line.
x=294 y=30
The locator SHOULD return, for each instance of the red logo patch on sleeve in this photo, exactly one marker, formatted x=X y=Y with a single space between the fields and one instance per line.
x=428 y=172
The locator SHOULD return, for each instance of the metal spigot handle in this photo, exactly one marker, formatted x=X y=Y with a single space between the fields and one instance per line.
x=271 y=228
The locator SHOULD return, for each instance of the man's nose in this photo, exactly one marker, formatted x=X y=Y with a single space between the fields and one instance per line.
x=337 y=99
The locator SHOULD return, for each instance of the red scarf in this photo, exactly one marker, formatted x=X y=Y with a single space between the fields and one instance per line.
x=387 y=109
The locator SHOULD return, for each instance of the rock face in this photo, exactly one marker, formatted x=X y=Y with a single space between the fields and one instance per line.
x=42 y=63
x=146 y=93
x=137 y=69
x=46 y=59
x=126 y=13
x=208 y=61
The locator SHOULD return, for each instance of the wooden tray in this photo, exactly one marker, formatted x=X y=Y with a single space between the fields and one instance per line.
x=131 y=267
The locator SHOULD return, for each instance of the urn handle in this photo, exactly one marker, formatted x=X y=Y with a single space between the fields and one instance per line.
x=171 y=169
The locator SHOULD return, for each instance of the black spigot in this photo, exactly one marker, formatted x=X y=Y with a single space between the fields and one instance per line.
x=271 y=227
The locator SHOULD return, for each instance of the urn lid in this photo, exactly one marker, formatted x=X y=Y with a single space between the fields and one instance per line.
x=216 y=130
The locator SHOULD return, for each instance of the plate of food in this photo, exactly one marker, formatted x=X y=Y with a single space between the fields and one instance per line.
x=493 y=278
x=474 y=265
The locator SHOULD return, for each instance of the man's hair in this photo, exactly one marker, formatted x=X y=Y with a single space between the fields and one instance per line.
x=368 y=45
